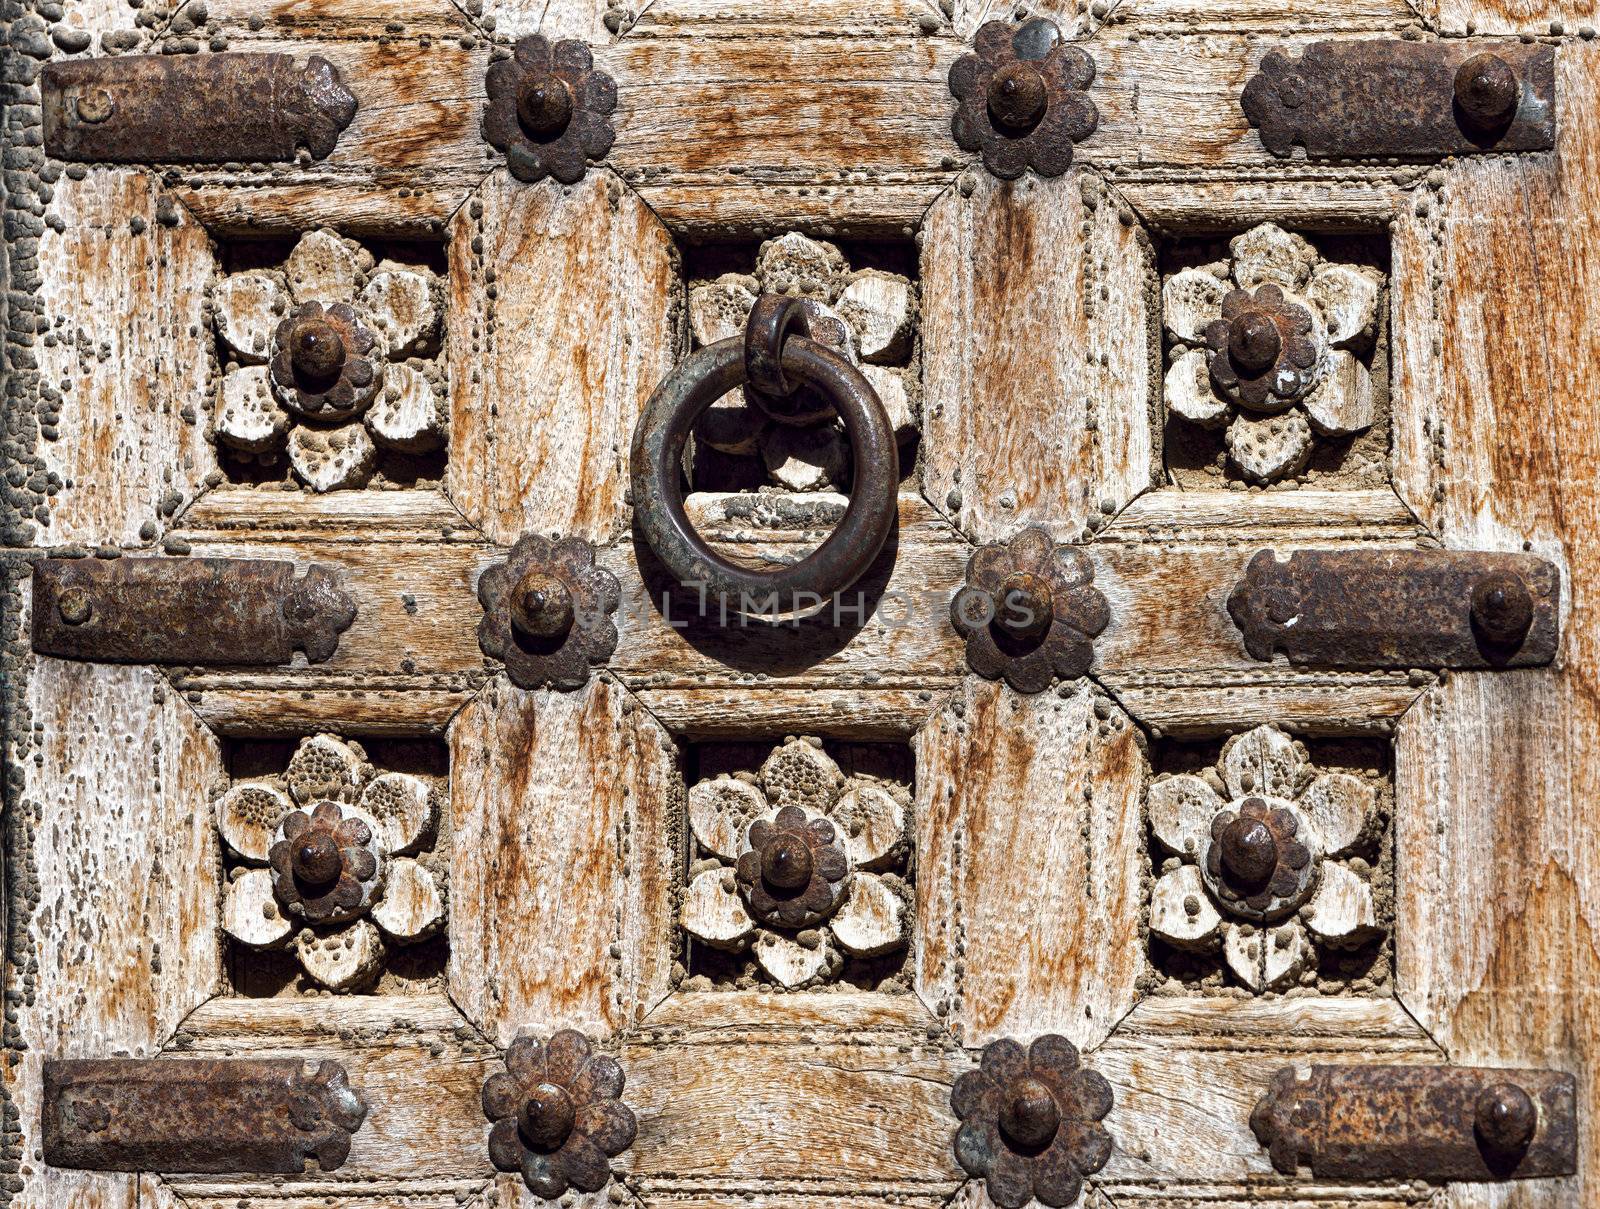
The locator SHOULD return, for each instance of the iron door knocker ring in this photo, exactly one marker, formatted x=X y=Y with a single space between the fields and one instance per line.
x=775 y=357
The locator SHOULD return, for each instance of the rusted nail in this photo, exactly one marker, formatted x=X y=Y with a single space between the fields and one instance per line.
x=74 y=606
x=326 y=361
x=1487 y=91
x=1257 y=862
x=544 y=104
x=189 y=611
x=1030 y=1122
x=1420 y=1122
x=795 y=872
x=558 y=1116
x=1021 y=101
x=1400 y=608
x=1249 y=852
x=160 y=109
x=272 y=1115
x=316 y=350
x=548 y=108
x=327 y=866
x=1502 y=608
x=1263 y=356
x=547 y=612
x=1029 y=611
x=1399 y=98
x=1506 y=1118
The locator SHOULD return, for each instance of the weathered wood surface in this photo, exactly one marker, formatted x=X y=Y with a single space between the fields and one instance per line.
x=1035 y=329
x=1030 y=859
x=414 y=1059
x=567 y=812
x=109 y=949
x=1495 y=774
x=828 y=1094
x=131 y=370
x=559 y=330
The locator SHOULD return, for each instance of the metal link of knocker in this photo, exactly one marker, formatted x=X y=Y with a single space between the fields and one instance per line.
x=776 y=356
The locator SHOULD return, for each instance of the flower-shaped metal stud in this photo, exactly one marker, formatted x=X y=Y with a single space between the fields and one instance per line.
x=1030 y=1122
x=803 y=863
x=1022 y=102
x=326 y=363
x=547 y=612
x=1029 y=611
x=326 y=862
x=1264 y=345
x=792 y=872
x=1263 y=349
x=1270 y=867
x=558 y=1119
x=547 y=110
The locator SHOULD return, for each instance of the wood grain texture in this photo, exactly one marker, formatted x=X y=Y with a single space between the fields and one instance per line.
x=826 y=1094
x=122 y=338
x=417 y=1063
x=1186 y=1073
x=113 y=947
x=1035 y=356
x=1495 y=928
x=1030 y=855
x=567 y=808
x=558 y=333
x=1535 y=17
x=739 y=713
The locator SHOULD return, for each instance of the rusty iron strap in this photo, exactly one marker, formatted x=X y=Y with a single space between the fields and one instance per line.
x=186 y=610
x=1420 y=1122
x=1400 y=608
x=206 y=1115
x=1407 y=100
x=766 y=353
x=193 y=109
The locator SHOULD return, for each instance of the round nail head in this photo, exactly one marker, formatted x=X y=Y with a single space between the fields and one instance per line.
x=1486 y=90
x=544 y=106
x=1030 y=1116
x=547 y=1116
x=1018 y=97
x=786 y=862
x=316 y=858
x=1254 y=341
x=1506 y=1118
x=1502 y=608
x=1025 y=607
x=317 y=350
x=541 y=605
x=1249 y=852
x=74 y=607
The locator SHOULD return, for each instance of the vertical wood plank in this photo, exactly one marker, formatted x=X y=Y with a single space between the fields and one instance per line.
x=1497 y=896
x=114 y=886
x=1035 y=353
x=123 y=344
x=567 y=813
x=1029 y=863
x=564 y=316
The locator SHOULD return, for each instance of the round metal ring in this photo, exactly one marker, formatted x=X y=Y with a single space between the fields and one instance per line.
x=657 y=459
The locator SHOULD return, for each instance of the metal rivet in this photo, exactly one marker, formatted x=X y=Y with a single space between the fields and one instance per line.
x=786 y=862
x=317 y=350
x=541 y=605
x=316 y=858
x=544 y=105
x=95 y=106
x=73 y=605
x=1254 y=341
x=1502 y=608
x=1030 y=1116
x=1018 y=97
x=548 y=1116
x=1249 y=852
x=1026 y=606
x=1487 y=91
x=1506 y=1118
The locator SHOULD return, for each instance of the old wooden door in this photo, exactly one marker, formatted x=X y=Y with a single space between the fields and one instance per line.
x=1024 y=863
